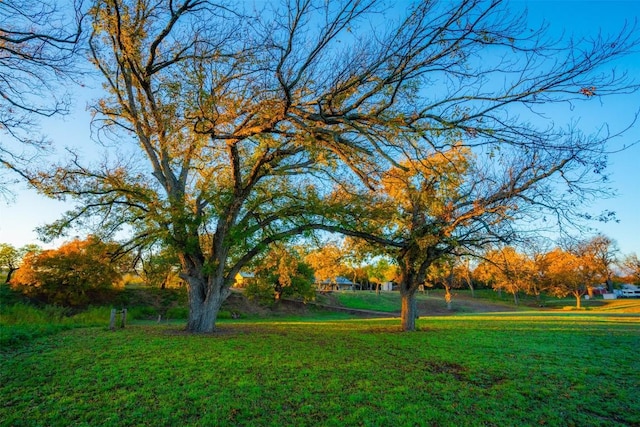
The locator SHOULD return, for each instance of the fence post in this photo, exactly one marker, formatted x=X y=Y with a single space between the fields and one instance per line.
x=124 y=317
x=112 y=320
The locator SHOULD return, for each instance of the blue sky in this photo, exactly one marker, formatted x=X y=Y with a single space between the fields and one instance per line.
x=28 y=210
x=587 y=17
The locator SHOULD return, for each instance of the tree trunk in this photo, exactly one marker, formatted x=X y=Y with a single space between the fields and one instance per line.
x=578 y=305
x=9 y=274
x=277 y=291
x=204 y=304
x=409 y=309
x=539 y=299
x=448 y=296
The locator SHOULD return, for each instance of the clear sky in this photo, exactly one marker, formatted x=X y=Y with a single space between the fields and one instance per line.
x=28 y=210
x=582 y=17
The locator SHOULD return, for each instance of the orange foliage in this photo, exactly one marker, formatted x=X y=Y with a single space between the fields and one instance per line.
x=70 y=275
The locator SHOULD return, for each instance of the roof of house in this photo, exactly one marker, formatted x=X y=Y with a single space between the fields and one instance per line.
x=247 y=275
x=340 y=280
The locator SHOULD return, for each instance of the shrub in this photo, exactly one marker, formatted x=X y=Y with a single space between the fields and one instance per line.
x=261 y=292
x=78 y=273
x=178 y=313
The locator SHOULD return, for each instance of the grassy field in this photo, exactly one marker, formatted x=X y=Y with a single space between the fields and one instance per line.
x=433 y=302
x=537 y=368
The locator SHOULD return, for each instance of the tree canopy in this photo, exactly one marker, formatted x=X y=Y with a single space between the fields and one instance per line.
x=238 y=129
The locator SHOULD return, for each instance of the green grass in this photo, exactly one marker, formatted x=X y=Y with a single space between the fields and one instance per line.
x=20 y=322
x=384 y=301
x=390 y=301
x=508 y=369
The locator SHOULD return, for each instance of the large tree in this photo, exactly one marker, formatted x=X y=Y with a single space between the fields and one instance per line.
x=242 y=122
x=452 y=202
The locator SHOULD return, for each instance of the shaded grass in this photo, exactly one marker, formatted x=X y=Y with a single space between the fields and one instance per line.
x=508 y=369
x=365 y=300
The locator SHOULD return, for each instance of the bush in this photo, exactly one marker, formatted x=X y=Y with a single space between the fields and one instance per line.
x=142 y=313
x=177 y=313
x=261 y=292
x=75 y=275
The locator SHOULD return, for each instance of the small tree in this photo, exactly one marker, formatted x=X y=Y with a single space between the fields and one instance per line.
x=326 y=264
x=159 y=268
x=462 y=271
x=382 y=271
x=563 y=275
x=72 y=275
x=631 y=264
x=599 y=254
x=282 y=273
x=506 y=269
x=11 y=257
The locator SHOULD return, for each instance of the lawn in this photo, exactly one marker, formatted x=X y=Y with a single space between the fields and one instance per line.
x=492 y=369
x=433 y=302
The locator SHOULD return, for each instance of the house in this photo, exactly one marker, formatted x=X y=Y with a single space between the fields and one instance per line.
x=339 y=284
x=244 y=279
x=386 y=286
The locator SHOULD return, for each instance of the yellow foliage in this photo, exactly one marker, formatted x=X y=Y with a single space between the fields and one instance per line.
x=326 y=262
x=428 y=184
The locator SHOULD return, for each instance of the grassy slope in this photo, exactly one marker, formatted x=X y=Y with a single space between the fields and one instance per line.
x=432 y=302
x=506 y=369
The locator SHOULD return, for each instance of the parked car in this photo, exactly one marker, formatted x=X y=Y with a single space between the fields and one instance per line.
x=630 y=291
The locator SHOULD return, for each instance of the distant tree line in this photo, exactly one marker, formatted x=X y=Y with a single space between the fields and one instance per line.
x=82 y=272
